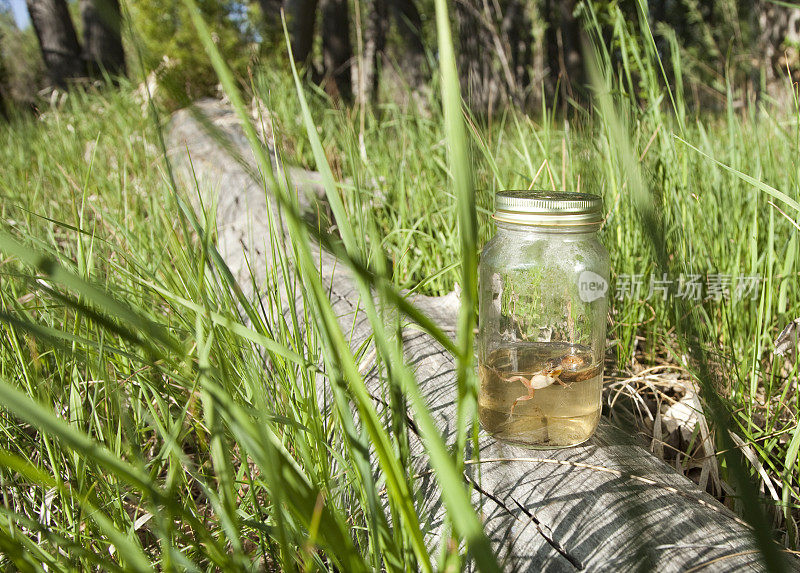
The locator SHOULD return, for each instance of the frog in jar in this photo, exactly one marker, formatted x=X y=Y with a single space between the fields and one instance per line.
x=547 y=376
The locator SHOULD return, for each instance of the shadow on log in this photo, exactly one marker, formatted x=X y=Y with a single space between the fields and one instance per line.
x=608 y=505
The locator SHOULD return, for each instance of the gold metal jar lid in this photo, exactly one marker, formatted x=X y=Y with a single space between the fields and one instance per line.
x=578 y=211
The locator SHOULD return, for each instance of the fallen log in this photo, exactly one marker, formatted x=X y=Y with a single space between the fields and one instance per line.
x=606 y=505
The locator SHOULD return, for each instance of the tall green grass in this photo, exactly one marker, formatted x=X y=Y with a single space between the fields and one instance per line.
x=153 y=418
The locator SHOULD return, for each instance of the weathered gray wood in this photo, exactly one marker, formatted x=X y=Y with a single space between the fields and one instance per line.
x=608 y=505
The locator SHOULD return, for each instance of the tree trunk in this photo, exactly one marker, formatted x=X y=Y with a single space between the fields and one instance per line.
x=337 y=51
x=374 y=46
x=57 y=39
x=102 y=39
x=563 y=44
x=271 y=9
x=493 y=65
x=271 y=15
x=3 y=98
x=480 y=84
x=515 y=26
x=409 y=28
x=3 y=80
x=301 y=18
x=778 y=55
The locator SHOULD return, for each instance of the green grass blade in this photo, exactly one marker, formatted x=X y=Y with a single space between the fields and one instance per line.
x=134 y=557
x=760 y=185
x=340 y=351
x=461 y=170
x=52 y=270
x=690 y=334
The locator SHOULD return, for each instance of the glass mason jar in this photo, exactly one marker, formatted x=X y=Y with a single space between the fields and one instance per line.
x=542 y=319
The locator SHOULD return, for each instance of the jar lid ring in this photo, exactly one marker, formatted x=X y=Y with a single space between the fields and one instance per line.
x=549 y=208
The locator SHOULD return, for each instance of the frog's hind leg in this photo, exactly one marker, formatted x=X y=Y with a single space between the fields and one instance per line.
x=520 y=399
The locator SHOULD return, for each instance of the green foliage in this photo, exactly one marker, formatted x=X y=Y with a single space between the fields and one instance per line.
x=714 y=181
x=140 y=410
x=173 y=51
x=714 y=42
x=21 y=67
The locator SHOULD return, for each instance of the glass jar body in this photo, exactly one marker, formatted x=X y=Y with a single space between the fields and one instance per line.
x=543 y=304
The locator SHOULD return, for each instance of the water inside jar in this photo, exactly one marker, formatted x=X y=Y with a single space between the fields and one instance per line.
x=541 y=394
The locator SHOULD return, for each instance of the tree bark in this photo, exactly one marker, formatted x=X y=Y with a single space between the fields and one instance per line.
x=57 y=39
x=563 y=44
x=337 y=51
x=515 y=26
x=3 y=81
x=480 y=85
x=102 y=38
x=374 y=46
x=3 y=98
x=778 y=55
x=301 y=16
x=271 y=9
x=409 y=28
x=271 y=18
x=493 y=65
